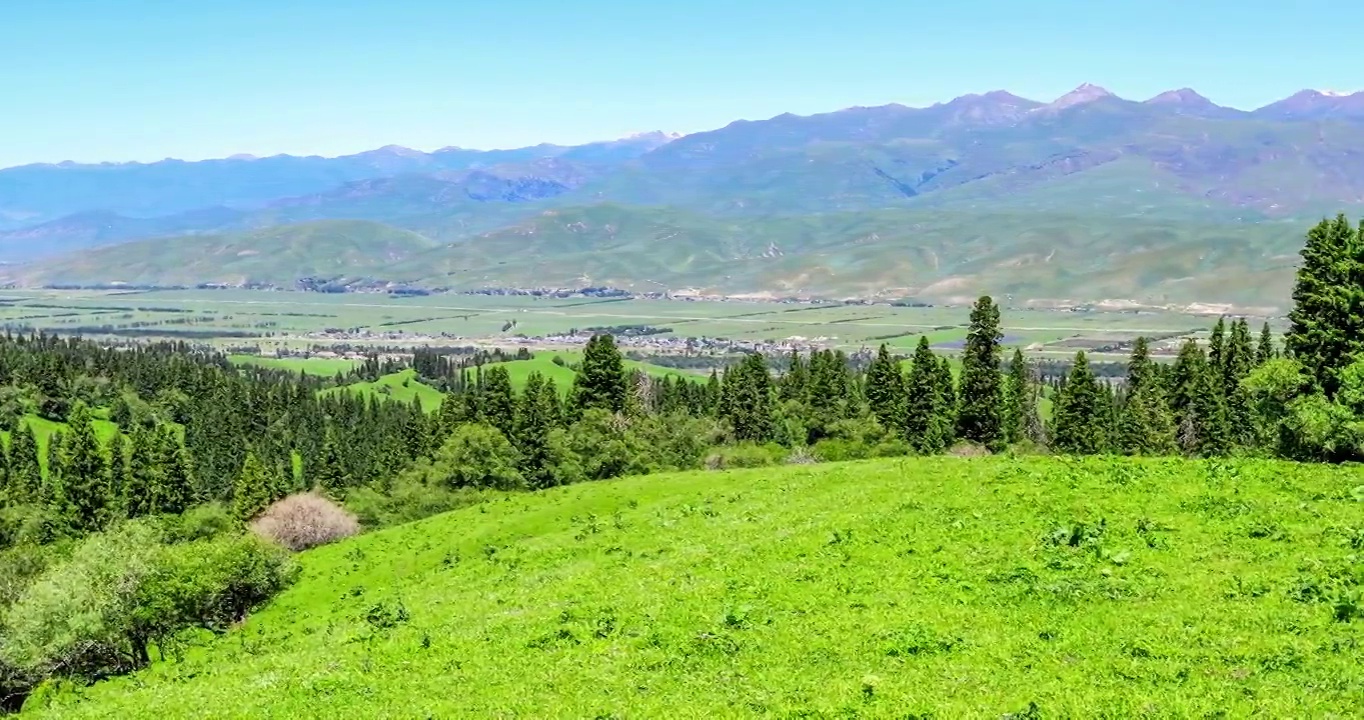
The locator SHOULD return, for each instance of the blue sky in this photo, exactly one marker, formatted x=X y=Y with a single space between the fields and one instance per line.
x=117 y=80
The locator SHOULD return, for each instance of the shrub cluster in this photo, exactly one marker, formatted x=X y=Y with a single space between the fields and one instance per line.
x=305 y=520
x=123 y=593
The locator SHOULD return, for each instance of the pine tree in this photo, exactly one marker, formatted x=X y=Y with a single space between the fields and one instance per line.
x=945 y=410
x=794 y=382
x=1326 y=327
x=1139 y=366
x=84 y=472
x=6 y=491
x=886 y=390
x=146 y=481
x=1217 y=349
x=1198 y=403
x=328 y=473
x=253 y=490
x=921 y=400
x=52 y=492
x=1017 y=395
x=1236 y=365
x=1264 y=352
x=601 y=382
x=120 y=473
x=534 y=420
x=828 y=391
x=1079 y=425
x=1145 y=424
x=176 y=493
x=25 y=471
x=498 y=408
x=750 y=408
x=981 y=388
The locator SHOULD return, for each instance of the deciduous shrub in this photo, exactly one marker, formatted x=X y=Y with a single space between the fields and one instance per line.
x=125 y=591
x=746 y=456
x=410 y=498
x=305 y=520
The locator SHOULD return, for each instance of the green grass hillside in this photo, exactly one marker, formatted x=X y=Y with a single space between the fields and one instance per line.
x=281 y=254
x=941 y=255
x=401 y=386
x=941 y=587
x=520 y=370
x=326 y=367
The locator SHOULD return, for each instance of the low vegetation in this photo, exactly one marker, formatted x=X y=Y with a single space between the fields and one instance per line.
x=944 y=587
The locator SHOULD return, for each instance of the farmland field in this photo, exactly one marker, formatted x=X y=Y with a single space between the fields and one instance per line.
x=941 y=587
x=275 y=320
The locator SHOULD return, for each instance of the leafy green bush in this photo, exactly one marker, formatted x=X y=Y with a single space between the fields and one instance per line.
x=477 y=456
x=746 y=455
x=124 y=592
x=201 y=522
x=409 y=499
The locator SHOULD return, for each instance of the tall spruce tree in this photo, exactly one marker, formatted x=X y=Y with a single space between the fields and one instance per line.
x=797 y=377
x=1217 y=346
x=749 y=407
x=120 y=474
x=1145 y=424
x=1017 y=394
x=25 y=469
x=886 y=390
x=921 y=400
x=6 y=492
x=177 y=492
x=1079 y=424
x=1236 y=365
x=1326 y=326
x=145 y=486
x=945 y=410
x=328 y=473
x=535 y=418
x=981 y=389
x=1198 y=403
x=601 y=382
x=253 y=490
x=499 y=403
x=84 y=470
x=1139 y=366
x=1264 y=351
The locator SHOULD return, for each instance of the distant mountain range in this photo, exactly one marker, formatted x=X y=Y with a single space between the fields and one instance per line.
x=784 y=198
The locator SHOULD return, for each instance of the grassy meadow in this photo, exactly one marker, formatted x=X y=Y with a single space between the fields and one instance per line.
x=933 y=587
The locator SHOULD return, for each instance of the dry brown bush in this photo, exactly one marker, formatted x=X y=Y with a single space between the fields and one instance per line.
x=305 y=520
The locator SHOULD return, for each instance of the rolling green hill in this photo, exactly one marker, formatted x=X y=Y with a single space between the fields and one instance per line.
x=941 y=587
x=401 y=387
x=280 y=255
x=889 y=254
x=949 y=255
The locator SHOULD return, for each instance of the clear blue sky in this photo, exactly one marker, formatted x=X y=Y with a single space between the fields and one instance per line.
x=142 y=80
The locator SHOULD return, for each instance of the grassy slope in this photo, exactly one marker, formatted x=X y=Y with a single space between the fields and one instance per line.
x=400 y=387
x=280 y=254
x=325 y=367
x=936 y=582
x=543 y=363
x=927 y=253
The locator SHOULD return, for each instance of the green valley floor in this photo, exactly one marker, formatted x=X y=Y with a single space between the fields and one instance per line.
x=943 y=587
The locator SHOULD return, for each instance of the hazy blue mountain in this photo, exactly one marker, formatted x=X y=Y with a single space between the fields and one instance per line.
x=34 y=194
